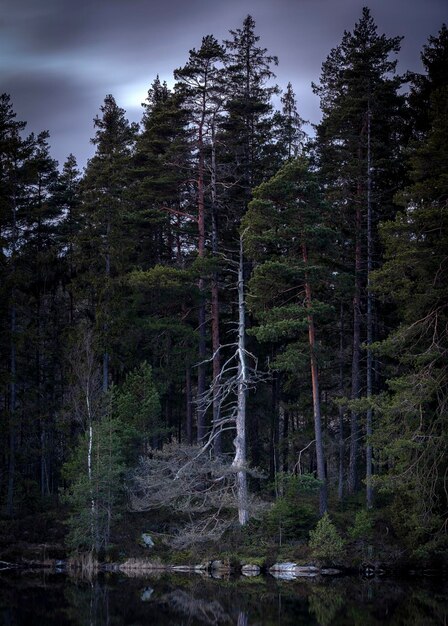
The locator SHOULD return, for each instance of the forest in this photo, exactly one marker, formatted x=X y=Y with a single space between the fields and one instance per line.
x=229 y=324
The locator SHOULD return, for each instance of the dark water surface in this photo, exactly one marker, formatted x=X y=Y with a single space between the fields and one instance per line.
x=54 y=599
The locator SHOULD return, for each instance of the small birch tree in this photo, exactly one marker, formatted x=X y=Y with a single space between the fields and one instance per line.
x=95 y=468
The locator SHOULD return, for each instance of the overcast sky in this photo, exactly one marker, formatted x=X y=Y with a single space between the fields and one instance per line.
x=60 y=58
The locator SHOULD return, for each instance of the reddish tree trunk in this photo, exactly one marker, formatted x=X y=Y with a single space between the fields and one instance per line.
x=201 y=430
x=188 y=401
x=316 y=397
x=215 y=306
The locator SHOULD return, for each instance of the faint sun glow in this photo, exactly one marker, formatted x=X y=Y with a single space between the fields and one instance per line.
x=132 y=95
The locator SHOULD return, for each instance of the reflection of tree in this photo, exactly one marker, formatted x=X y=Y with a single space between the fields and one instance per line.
x=89 y=605
x=243 y=619
x=325 y=602
x=398 y=605
x=422 y=607
x=362 y=616
x=114 y=601
x=206 y=611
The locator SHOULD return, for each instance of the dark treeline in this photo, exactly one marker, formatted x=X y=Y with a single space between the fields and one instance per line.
x=213 y=266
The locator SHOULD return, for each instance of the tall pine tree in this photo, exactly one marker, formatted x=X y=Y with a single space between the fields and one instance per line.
x=103 y=248
x=414 y=278
x=286 y=234
x=358 y=151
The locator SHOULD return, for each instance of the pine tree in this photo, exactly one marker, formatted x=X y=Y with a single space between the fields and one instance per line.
x=434 y=59
x=67 y=196
x=15 y=152
x=325 y=542
x=136 y=404
x=201 y=82
x=164 y=294
x=290 y=136
x=286 y=235
x=247 y=130
x=358 y=151
x=415 y=277
x=103 y=247
x=161 y=173
x=245 y=136
x=41 y=261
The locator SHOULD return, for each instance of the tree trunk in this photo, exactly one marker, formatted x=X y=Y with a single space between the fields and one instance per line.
x=215 y=303
x=13 y=375
x=106 y=312
x=369 y=488
x=356 y=355
x=188 y=400
x=243 y=619
x=284 y=421
x=316 y=397
x=12 y=416
x=239 y=461
x=39 y=344
x=201 y=430
x=274 y=463
x=89 y=473
x=341 y=409
x=87 y=381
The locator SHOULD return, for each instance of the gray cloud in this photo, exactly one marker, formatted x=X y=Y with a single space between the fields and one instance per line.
x=59 y=58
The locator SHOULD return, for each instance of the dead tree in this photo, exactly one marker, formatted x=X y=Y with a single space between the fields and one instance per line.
x=189 y=480
x=240 y=459
x=229 y=390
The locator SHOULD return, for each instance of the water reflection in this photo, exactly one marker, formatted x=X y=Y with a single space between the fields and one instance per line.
x=196 y=609
x=180 y=600
x=88 y=604
x=243 y=619
x=325 y=603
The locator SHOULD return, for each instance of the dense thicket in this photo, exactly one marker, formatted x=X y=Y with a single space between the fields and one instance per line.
x=132 y=318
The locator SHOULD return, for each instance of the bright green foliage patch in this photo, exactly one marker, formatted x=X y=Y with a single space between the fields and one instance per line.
x=325 y=542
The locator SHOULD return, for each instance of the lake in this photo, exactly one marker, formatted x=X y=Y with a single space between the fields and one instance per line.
x=110 y=600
